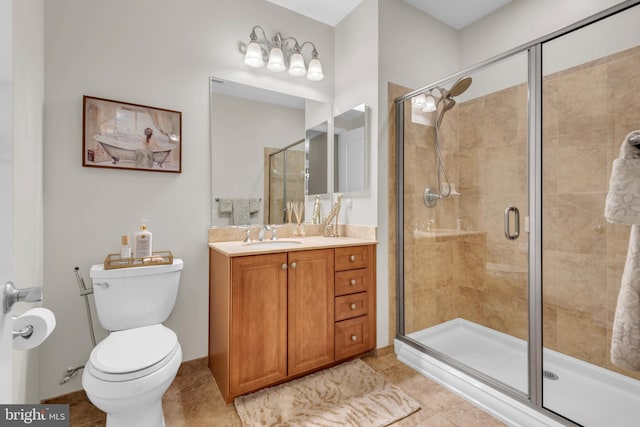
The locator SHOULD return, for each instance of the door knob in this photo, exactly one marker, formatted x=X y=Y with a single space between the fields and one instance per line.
x=13 y=295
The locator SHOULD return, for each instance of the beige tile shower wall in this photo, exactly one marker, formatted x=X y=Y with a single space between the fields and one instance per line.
x=588 y=110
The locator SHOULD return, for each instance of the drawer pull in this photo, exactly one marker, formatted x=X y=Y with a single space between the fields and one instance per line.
x=353 y=306
x=352 y=257
x=353 y=282
x=294 y=265
x=284 y=266
x=354 y=338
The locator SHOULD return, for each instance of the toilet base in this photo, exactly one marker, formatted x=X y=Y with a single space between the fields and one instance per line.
x=151 y=416
x=133 y=403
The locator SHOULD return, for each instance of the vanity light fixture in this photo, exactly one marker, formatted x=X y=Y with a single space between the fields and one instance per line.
x=429 y=103
x=426 y=103
x=283 y=53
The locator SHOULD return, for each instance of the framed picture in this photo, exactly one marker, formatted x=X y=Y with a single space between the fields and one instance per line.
x=121 y=135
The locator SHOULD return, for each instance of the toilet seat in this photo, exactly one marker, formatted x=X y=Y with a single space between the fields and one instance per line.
x=133 y=353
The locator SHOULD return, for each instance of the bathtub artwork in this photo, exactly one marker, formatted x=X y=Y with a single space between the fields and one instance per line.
x=122 y=135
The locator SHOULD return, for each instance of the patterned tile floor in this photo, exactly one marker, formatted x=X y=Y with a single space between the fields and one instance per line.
x=194 y=400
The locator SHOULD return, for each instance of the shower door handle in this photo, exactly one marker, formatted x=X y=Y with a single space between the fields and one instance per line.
x=507 y=223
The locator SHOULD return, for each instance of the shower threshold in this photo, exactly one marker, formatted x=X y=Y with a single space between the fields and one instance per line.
x=580 y=391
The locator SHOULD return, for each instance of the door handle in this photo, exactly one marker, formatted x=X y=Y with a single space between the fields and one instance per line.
x=507 y=223
x=13 y=295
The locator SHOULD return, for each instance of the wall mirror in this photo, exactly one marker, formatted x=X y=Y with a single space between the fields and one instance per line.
x=317 y=159
x=351 y=142
x=260 y=152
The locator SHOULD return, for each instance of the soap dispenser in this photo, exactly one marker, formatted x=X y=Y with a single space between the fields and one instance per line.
x=142 y=241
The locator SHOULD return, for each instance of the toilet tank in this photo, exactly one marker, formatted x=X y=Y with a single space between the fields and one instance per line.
x=129 y=298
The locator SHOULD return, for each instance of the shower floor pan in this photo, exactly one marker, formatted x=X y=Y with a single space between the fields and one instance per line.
x=585 y=393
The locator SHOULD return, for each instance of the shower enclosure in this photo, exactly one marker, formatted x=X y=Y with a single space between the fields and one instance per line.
x=506 y=268
x=285 y=180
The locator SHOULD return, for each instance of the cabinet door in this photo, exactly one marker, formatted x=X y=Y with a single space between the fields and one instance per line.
x=258 y=355
x=311 y=310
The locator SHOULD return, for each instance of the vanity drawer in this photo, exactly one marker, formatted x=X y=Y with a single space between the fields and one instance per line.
x=352 y=337
x=351 y=257
x=351 y=281
x=349 y=306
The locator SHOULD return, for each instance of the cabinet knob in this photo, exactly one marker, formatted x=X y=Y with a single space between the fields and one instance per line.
x=353 y=306
x=352 y=257
x=354 y=338
x=294 y=265
x=284 y=266
x=353 y=282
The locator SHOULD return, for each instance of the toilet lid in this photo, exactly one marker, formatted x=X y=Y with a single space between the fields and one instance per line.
x=133 y=350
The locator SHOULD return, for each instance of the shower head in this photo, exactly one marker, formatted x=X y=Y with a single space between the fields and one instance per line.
x=460 y=86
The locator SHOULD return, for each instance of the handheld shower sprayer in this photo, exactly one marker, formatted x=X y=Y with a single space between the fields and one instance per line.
x=431 y=196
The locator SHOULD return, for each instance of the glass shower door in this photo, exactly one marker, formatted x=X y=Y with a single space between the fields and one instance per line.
x=591 y=82
x=465 y=217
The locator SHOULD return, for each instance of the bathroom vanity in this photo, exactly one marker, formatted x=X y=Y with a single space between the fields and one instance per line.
x=280 y=310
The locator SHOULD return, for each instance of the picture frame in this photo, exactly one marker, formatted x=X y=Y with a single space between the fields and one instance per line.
x=122 y=135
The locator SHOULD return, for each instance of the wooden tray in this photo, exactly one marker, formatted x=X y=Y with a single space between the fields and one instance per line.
x=157 y=258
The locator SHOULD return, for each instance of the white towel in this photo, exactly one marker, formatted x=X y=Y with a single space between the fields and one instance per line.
x=240 y=214
x=623 y=206
x=254 y=205
x=623 y=200
x=225 y=205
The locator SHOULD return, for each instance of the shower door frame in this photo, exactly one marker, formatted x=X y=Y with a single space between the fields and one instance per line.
x=533 y=49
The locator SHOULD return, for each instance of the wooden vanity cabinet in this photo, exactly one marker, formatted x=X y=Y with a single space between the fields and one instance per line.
x=310 y=310
x=277 y=316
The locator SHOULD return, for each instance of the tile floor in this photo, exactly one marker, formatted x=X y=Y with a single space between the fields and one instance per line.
x=194 y=400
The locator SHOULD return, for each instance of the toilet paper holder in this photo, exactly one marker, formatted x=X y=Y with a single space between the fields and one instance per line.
x=25 y=332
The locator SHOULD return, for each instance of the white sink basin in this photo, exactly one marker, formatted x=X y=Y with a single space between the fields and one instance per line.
x=282 y=243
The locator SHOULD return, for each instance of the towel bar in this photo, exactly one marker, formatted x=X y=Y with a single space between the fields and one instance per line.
x=217 y=199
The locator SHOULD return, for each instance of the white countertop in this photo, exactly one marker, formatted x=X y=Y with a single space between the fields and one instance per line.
x=237 y=248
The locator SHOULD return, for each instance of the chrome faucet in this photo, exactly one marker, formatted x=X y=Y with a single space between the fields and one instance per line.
x=262 y=230
x=247 y=235
x=331 y=230
x=274 y=236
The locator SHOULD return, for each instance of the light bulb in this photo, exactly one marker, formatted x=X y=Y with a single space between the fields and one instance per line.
x=276 y=60
x=315 y=73
x=419 y=101
x=429 y=104
x=253 y=57
x=296 y=65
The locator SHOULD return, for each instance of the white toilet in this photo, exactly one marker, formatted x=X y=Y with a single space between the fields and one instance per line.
x=128 y=372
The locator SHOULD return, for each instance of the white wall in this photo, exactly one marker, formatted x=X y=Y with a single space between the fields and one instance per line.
x=6 y=185
x=241 y=129
x=28 y=100
x=520 y=22
x=414 y=49
x=356 y=82
x=151 y=52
